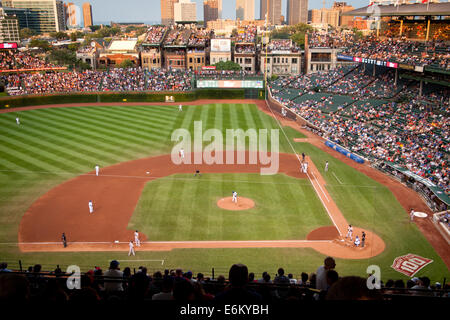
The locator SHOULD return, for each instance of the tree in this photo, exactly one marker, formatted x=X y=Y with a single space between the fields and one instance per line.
x=42 y=44
x=127 y=63
x=63 y=57
x=26 y=33
x=76 y=35
x=228 y=65
x=95 y=28
x=59 y=35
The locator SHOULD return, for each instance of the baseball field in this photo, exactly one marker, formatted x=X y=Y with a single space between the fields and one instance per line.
x=46 y=181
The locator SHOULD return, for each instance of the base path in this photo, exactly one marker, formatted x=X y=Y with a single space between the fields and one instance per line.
x=117 y=191
x=407 y=197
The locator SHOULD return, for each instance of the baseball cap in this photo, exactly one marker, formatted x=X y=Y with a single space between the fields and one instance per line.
x=114 y=264
x=415 y=279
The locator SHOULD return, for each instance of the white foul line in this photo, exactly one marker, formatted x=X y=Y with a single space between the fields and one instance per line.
x=298 y=157
x=337 y=178
x=320 y=186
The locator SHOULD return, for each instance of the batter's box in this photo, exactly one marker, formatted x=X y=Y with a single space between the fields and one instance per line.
x=410 y=264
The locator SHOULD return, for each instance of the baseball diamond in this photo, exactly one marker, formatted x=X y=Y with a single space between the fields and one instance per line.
x=48 y=178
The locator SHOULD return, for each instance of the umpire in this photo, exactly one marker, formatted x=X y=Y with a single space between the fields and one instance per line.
x=64 y=240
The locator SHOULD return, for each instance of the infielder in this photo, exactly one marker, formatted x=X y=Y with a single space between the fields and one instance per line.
x=17 y=120
x=357 y=242
x=182 y=153
x=91 y=207
x=97 y=170
x=131 y=251
x=411 y=215
x=234 y=199
x=349 y=232
x=326 y=166
x=64 y=240
x=136 y=239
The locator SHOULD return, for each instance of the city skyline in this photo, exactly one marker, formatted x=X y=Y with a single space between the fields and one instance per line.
x=149 y=11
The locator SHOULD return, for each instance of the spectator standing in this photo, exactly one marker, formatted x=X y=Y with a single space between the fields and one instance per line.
x=321 y=274
x=113 y=278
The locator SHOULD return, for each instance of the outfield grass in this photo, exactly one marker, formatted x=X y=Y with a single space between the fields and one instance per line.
x=285 y=208
x=53 y=145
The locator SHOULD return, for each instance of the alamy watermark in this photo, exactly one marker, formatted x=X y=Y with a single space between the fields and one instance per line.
x=191 y=150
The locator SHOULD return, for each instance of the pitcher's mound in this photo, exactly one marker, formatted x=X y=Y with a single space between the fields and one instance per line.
x=242 y=204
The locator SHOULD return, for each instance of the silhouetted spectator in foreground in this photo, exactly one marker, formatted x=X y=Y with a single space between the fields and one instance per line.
x=237 y=292
x=14 y=288
x=352 y=288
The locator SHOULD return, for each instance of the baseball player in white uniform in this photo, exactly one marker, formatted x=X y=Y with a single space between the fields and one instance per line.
x=97 y=170
x=17 y=120
x=357 y=242
x=326 y=166
x=180 y=108
x=234 y=199
x=349 y=232
x=91 y=207
x=411 y=215
x=131 y=251
x=182 y=153
x=136 y=239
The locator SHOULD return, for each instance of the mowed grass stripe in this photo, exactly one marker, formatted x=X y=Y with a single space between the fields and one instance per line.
x=154 y=124
x=57 y=154
x=157 y=118
x=30 y=158
x=123 y=128
x=110 y=134
x=69 y=135
x=55 y=145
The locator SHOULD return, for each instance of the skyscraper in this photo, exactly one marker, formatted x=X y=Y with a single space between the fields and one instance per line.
x=71 y=14
x=185 y=10
x=39 y=15
x=273 y=11
x=167 y=12
x=210 y=10
x=297 y=11
x=87 y=14
x=245 y=10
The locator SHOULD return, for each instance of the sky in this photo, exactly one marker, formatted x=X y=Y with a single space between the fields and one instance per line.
x=149 y=11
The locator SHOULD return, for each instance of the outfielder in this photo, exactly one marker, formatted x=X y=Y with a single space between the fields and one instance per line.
x=17 y=120
x=326 y=166
x=136 y=239
x=234 y=199
x=180 y=108
x=91 y=207
x=131 y=251
x=97 y=170
x=349 y=232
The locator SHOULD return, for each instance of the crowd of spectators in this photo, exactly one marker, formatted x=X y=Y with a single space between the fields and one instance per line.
x=413 y=133
x=246 y=34
x=178 y=36
x=161 y=80
x=119 y=79
x=435 y=53
x=330 y=39
x=155 y=34
x=282 y=45
x=198 y=38
x=124 y=79
x=239 y=287
x=13 y=59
